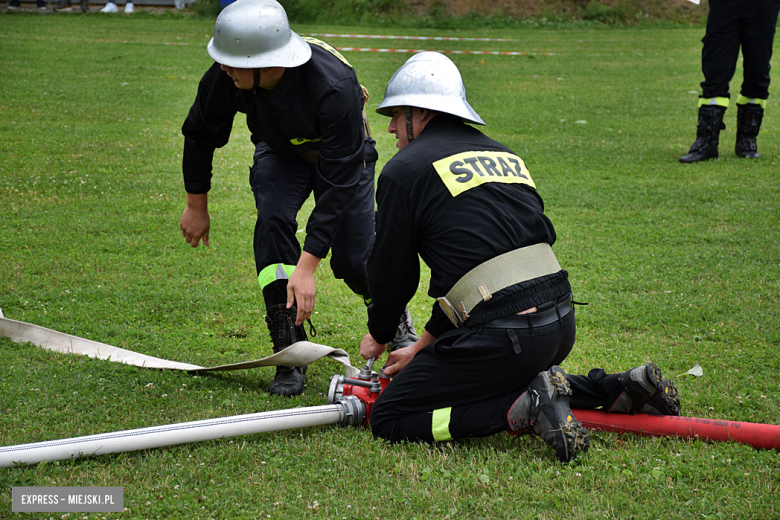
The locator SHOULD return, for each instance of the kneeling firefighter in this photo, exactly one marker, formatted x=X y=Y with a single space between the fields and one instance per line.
x=304 y=109
x=503 y=319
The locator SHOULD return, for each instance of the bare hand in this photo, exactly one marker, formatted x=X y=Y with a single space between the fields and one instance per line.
x=398 y=360
x=301 y=289
x=401 y=357
x=195 y=220
x=369 y=348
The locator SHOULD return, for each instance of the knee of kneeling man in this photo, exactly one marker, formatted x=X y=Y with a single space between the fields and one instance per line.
x=381 y=424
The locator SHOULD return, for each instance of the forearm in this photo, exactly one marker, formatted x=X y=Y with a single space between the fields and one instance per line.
x=308 y=263
x=198 y=201
x=197 y=162
x=426 y=339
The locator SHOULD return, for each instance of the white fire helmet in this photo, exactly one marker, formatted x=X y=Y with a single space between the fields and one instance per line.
x=251 y=34
x=429 y=80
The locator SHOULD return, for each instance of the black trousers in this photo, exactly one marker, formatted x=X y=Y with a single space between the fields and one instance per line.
x=475 y=375
x=731 y=24
x=281 y=185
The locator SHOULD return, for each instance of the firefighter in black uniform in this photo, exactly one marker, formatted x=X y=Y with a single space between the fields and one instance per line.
x=304 y=108
x=732 y=24
x=487 y=361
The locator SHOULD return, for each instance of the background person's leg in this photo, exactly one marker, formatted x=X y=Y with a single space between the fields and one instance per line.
x=352 y=242
x=280 y=185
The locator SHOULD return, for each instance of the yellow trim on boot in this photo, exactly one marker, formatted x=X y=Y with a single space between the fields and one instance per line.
x=440 y=424
x=742 y=100
x=274 y=272
x=720 y=101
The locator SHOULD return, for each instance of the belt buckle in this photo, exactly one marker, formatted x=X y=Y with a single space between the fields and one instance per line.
x=464 y=313
x=450 y=310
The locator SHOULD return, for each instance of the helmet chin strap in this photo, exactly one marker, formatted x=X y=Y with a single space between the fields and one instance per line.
x=409 y=129
x=255 y=80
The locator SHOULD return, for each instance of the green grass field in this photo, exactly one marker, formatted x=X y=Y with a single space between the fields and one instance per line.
x=679 y=265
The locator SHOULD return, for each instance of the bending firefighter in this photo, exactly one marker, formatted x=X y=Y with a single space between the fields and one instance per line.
x=304 y=109
x=504 y=320
x=732 y=24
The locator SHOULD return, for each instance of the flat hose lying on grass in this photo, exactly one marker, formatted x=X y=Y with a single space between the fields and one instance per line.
x=298 y=354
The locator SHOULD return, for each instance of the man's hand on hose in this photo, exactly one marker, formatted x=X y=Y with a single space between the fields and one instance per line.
x=369 y=348
x=301 y=289
x=195 y=220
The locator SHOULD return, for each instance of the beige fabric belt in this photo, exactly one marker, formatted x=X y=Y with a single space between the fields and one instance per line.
x=498 y=273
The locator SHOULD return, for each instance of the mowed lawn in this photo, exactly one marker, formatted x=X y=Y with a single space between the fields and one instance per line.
x=678 y=264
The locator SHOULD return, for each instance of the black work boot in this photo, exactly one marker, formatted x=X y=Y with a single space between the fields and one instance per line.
x=644 y=391
x=405 y=335
x=543 y=409
x=707 y=134
x=749 y=119
x=281 y=322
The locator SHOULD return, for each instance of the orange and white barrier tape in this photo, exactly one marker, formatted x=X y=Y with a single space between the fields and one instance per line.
x=434 y=38
x=493 y=53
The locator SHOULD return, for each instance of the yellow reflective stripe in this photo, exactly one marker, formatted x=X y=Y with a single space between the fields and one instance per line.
x=274 y=272
x=331 y=49
x=301 y=140
x=440 y=424
x=742 y=100
x=720 y=101
x=463 y=171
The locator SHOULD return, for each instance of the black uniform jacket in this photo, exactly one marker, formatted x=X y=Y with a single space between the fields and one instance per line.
x=457 y=198
x=315 y=113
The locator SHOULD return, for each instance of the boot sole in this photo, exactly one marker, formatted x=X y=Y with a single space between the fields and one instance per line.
x=559 y=382
x=666 y=391
x=690 y=160
x=577 y=440
x=575 y=435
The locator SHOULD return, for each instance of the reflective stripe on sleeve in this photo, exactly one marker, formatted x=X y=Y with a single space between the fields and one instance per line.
x=440 y=424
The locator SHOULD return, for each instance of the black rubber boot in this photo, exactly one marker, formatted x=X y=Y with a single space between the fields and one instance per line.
x=281 y=323
x=749 y=119
x=707 y=134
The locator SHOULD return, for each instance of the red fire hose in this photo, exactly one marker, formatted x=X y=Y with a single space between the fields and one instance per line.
x=759 y=436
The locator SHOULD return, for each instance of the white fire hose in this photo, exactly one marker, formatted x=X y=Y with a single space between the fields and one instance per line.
x=298 y=354
x=346 y=411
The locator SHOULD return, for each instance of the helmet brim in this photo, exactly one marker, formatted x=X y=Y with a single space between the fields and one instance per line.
x=455 y=106
x=295 y=53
